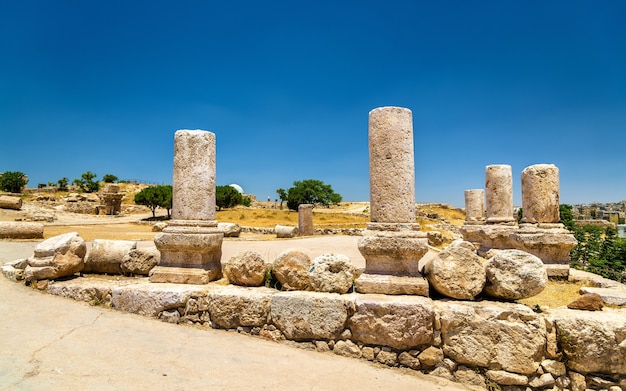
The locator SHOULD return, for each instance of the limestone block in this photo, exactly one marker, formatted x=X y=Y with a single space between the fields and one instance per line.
x=347 y=349
x=332 y=273
x=506 y=378
x=468 y=376
x=540 y=194
x=154 y=298
x=247 y=268
x=285 y=231
x=551 y=245
x=588 y=302
x=230 y=230
x=20 y=230
x=543 y=381
x=475 y=205
x=515 y=274
x=305 y=220
x=231 y=306
x=310 y=315
x=291 y=269
x=457 y=272
x=556 y=368
x=392 y=285
x=159 y=226
x=400 y=322
x=140 y=261
x=387 y=358
x=56 y=257
x=431 y=356
x=106 y=256
x=395 y=253
x=89 y=290
x=592 y=341
x=610 y=296
x=12 y=273
x=10 y=202
x=499 y=336
x=409 y=361
x=499 y=193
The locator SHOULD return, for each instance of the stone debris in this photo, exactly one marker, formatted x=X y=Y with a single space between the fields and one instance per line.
x=291 y=269
x=247 y=268
x=140 y=261
x=514 y=275
x=10 y=202
x=20 y=230
x=285 y=231
x=230 y=230
x=56 y=257
x=106 y=256
x=610 y=296
x=588 y=302
x=332 y=273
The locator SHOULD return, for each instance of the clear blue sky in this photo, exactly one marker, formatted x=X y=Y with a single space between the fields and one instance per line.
x=286 y=86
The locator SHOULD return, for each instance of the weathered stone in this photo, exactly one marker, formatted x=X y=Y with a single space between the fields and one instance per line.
x=498 y=336
x=469 y=376
x=247 y=268
x=90 y=290
x=170 y=316
x=592 y=341
x=159 y=226
x=556 y=368
x=457 y=272
x=395 y=253
x=10 y=202
x=392 y=285
x=140 y=261
x=309 y=315
x=291 y=269
x=20 y=230
x=231 y=307
x=431 y=356
x=540 y=194
x=12 y=273
x=56 y=257
x=332 y=273
x=285 y=231
x=588 y=302
x=475 y=205
x=442 y=372
x=506 y=378
x=387 y=358
x=499 y=194
x=409 y=361
x=106 y=256
x=152 y=299
x=562 y=382
x=368 y=353
x=322 y=346
x=610 y=296
x=543 y=381
x=552 y=245
x=400 y=322
x=230 y=230
x=305 y=220
x=578 y=381
x=392 y=167
x=347 y=349
x=515 y=274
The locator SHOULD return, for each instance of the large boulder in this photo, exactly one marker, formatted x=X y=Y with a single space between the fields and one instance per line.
x=230 y=230
x=332 y=273
x=291 y=269
x=400 y=322
x=56 y=257
x=592 y=341
x=231 y=307
x=247 y=268
x=140 y=261
x=106 y=256
x=514 y=275
x=309 y=315
x=491 y=335
x=457 y=271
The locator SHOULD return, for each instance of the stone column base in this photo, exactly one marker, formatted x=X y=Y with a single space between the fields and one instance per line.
x=392 y=285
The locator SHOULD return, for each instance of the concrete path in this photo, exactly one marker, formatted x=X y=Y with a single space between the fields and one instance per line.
x=52 y=343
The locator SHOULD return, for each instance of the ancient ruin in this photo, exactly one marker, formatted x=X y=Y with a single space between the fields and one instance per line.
x=392 y=245
x=539 y=232
x=305 y=220
x=191 y=246
x=475 y=206
x=111 y=200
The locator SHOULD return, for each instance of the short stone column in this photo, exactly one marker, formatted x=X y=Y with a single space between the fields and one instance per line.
x=499 y=194
x=475 y=206
x=111 y=199
x=191 y=245
x=540 y=194
x=305 y=220
x=392 y=244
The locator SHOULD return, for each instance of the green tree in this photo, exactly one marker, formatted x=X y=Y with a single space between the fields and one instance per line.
x=567 y=216
x=109 y=178
x=13 y=181
x=311 y=191
x=62 y=183
x=227 y=197
x=154 y=197
x=282 y=194
x=87 y=183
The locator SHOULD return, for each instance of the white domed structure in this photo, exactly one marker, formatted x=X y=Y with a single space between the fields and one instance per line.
x=237 y=187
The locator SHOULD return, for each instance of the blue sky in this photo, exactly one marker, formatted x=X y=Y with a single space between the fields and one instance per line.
x=287 y=87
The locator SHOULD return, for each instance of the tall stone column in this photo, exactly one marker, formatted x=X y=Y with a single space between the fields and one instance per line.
x=305 y=220
x=499 y=194
x=392 y=244
x=475 y=206
x=540 y=194
x=191 y=246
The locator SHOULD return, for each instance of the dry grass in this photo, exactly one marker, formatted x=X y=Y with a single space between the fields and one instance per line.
x=126 y=231
x=270 y=217
x=556 y=294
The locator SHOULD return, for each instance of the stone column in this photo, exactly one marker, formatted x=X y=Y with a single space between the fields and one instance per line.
x=475 y=206
x=305 y=220
x=540 y=194
x=392 y=244
x=191 y=246
x=499 y=194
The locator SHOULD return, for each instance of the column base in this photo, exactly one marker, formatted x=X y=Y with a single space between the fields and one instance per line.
x=392 y=285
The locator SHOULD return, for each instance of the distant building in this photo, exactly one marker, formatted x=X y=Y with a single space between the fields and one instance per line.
x=621 y=230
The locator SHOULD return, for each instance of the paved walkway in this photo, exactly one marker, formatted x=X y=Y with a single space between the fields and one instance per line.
x=52 y=343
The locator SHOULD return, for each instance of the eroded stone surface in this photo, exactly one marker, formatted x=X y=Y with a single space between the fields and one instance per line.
x=140 y=261
x=332 y=273
x=152 y=299
x=540 y=194
x=59 y=256
x=499 y=193
x=247 y=268
x=231 y=307
x=106 y=256
x=400 y=322
x=20 y=230
x=515 y=274
x=285 y=231
x=230 y=230
x=475 y=205
x=291 y=269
